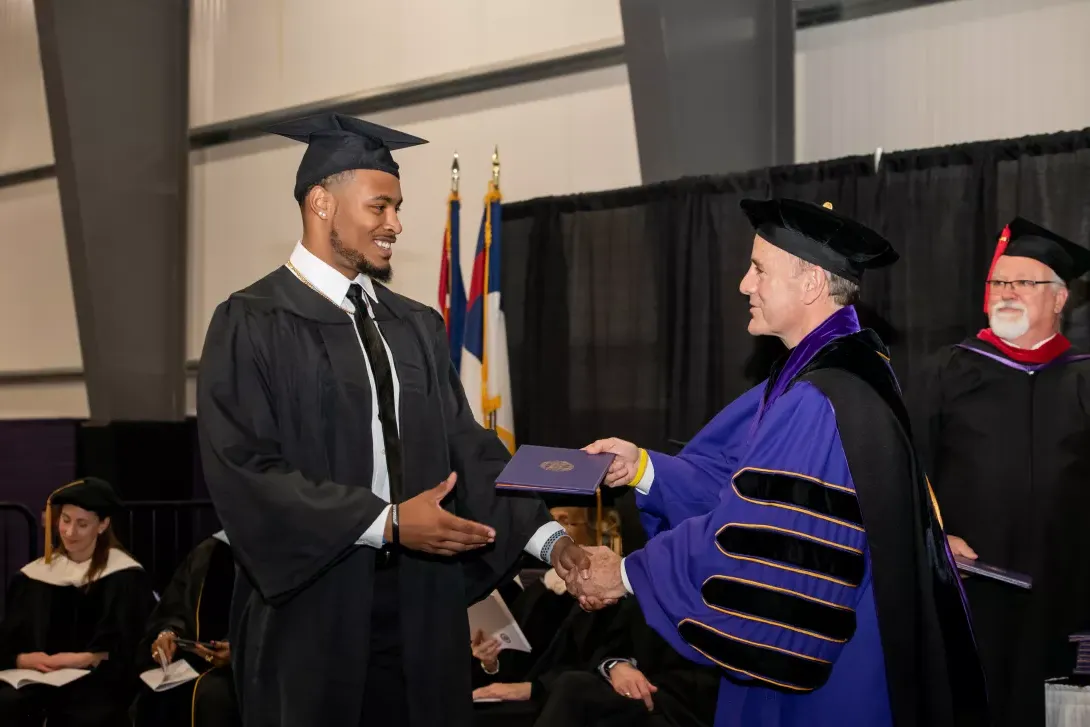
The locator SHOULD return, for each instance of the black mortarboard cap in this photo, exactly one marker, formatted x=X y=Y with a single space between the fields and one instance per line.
x=91 y=493
x=1067 y=259
x=337 y=143
x=820 y=236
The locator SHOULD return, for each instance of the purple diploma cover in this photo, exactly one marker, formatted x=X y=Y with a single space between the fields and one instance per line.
x=976 y=568
x=552 y=469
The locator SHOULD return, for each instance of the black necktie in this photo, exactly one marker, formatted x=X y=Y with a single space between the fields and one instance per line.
x=384 y=385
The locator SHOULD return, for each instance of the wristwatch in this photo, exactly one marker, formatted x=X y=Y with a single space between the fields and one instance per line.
x=608 y=665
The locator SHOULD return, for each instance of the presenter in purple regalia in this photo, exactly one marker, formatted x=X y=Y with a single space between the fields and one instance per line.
x=796 y=542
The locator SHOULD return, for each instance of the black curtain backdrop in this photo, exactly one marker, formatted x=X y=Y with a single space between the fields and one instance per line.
x=623 y=311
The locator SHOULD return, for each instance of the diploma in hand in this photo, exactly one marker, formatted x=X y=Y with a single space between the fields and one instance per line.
x=552 y=469
x=976 y=568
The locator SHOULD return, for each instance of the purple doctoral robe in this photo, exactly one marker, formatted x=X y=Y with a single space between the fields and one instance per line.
x=761 y=561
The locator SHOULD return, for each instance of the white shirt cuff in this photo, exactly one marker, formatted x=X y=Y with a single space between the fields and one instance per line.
x=644 y=485
x=373 y=535
x=624 y=578
x=538 y=542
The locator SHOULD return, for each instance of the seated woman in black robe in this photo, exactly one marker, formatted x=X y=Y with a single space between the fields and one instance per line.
x=82 y=606
x=195 y=606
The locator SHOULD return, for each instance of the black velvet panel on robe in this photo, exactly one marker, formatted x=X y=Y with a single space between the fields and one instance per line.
x=284 y=420
x=1009 y=456
x=933 y=671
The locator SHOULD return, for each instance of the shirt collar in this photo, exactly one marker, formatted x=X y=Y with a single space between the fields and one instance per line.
x=325 y=278
x=1034 y=347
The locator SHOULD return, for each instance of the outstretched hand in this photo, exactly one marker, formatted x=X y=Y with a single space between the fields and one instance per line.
x=626 y=460
x=424 y=525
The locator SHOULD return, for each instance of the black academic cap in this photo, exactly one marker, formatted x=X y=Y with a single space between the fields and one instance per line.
x=337 y=143
x=820 y=236
x=91 y=493
x=1025 y=239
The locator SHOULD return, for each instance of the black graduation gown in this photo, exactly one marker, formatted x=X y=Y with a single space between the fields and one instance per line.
x=51 y=610
x=569 y=691
x=1009 y=456
x=539 y=613
x=933 y=672
x=284 y=420
x=195 y=605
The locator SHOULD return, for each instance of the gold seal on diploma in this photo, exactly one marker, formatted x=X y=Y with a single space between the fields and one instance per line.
x=557 y=465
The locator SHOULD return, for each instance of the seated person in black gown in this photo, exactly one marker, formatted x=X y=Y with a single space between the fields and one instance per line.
x=82 y=606
x=539 y=609
x=195 y=606
x=606 y=668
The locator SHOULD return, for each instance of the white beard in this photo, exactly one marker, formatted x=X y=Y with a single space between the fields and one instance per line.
x=1007 y=326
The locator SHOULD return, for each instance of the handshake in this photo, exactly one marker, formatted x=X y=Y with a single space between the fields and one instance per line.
x=593 y=575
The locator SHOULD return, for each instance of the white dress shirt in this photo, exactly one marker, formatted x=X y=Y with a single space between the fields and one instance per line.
x=643 y=487
x=332 y=284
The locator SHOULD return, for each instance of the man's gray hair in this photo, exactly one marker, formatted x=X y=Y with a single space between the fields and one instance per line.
x=841 y=290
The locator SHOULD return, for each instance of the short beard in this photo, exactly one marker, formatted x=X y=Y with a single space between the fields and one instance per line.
x=1007 y=327
x=358 y=261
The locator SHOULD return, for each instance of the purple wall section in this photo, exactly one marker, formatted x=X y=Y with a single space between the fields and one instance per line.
x=36 y=457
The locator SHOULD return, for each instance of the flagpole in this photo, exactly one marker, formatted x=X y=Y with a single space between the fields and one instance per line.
x=494 y=188
x=453 y=265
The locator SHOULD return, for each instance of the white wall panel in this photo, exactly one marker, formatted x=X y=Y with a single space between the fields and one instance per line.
x=46 y=400
x=949 y=73
x=555 y=137
x=24 y=120
x=251 y=56
x=37 y=309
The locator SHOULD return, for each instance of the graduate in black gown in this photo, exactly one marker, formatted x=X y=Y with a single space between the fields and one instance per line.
x=1004 y=420
x=81 y=606
x=195 y=606
x=355 y=486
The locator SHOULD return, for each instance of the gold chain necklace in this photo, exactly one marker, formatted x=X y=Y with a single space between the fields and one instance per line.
x=311 y=285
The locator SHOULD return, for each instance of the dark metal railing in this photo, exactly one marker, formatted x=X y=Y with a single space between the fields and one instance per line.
x=19 y=543
x=160 y=534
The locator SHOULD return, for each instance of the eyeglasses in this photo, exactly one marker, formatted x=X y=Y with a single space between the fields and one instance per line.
x=1018 y=286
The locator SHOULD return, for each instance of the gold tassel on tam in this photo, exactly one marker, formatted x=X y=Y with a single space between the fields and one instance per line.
x=49 y=519
x=598 y=518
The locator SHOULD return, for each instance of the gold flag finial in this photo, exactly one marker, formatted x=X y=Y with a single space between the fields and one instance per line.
x=455 y=173
x=828 y=205
x=496 y=166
